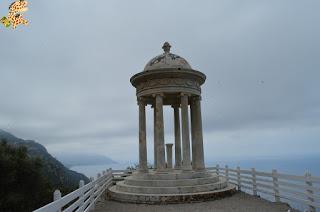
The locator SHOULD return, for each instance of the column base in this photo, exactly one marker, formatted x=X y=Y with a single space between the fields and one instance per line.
x=143 y=170
x=162 y=171
x=187 y=169
x=200 y=170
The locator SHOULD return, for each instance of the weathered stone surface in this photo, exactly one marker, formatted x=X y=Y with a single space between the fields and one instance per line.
x=122 y=196
x=159 y=133
x=168 y=85
x=166 y=60
x=177 y=137
x=176 y=81
x=171 y=186
x=196 y=134
x=172 y=175
x=238 y=202
x=171 y=183
x=169 y=155
x=186 y=160
x=142 y=137
x=121 y=186
x=168 y=79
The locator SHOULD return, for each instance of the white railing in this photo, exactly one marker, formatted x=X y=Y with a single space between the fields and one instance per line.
x=82 y=199
x=302 y=189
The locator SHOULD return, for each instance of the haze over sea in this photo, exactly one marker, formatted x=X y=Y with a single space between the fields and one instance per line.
x=295 y=164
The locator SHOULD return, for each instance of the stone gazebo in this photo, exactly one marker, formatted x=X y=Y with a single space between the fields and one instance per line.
x=168 y=79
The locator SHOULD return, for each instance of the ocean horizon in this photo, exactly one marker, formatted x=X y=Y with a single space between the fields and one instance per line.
x=295 y=165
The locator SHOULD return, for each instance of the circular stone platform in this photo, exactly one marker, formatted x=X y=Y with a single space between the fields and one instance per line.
x=175 y=186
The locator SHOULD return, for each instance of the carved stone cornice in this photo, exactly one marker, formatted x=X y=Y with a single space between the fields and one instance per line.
x=168 y=73
x=155 y=83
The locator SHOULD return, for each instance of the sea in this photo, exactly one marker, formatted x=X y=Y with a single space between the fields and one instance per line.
x=294 y=165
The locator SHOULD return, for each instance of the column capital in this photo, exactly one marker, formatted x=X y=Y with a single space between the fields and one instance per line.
x=196 y=98
x=184 y=94
x=141 y=101
x=158 y=94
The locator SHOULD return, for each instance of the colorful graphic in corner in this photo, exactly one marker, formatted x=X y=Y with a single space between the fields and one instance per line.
x=15 y=14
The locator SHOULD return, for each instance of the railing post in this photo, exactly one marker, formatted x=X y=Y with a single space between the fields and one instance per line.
x=92 y=193
x=57 y=196
x=227 y=173
x=254 y=182
x=275 y=185
x=239 y=178
x=112 y=176
x=98 y=180
x=217 y=169
x=108 y=179
x=309 y=191
x=81 y=184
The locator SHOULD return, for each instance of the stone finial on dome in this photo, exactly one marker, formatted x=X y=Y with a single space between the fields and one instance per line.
x=166 y=47
x=167 y=60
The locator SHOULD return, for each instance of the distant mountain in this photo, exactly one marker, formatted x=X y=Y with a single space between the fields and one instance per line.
x=57 y=173
x=74 y=159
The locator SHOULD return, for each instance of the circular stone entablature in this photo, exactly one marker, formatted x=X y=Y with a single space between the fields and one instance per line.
x=170 y=75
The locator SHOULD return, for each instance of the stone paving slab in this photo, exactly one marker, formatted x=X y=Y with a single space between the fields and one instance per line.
x=239 y=202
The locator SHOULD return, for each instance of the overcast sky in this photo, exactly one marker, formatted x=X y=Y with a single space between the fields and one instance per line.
x=64 y=79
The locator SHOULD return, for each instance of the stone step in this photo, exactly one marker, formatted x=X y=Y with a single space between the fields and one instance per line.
x=121 y=186
x=172 y=175
x=121 y=196
x=170 y=183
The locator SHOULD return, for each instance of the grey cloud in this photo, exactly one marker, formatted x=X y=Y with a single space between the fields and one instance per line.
x=64 y=80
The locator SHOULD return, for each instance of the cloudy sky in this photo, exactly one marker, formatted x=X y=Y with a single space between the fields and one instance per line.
x=64 y=79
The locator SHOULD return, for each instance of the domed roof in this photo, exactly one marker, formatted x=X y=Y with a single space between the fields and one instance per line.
x=167 y=60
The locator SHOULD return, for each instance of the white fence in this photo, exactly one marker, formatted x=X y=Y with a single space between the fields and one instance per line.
x=302 y=189
x=82 y=199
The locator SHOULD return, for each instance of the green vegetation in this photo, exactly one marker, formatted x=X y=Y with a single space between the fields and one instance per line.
x=29 y=175
x=24 y=186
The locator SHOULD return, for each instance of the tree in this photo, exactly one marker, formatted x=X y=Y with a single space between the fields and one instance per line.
x=23 y=186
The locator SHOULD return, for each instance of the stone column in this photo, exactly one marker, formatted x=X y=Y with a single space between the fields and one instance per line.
x=169 y=155
x=143 y=167
x=186 y=165
x=154 y=136
x=159 y=133
x=177 y=137
x=196 y=132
